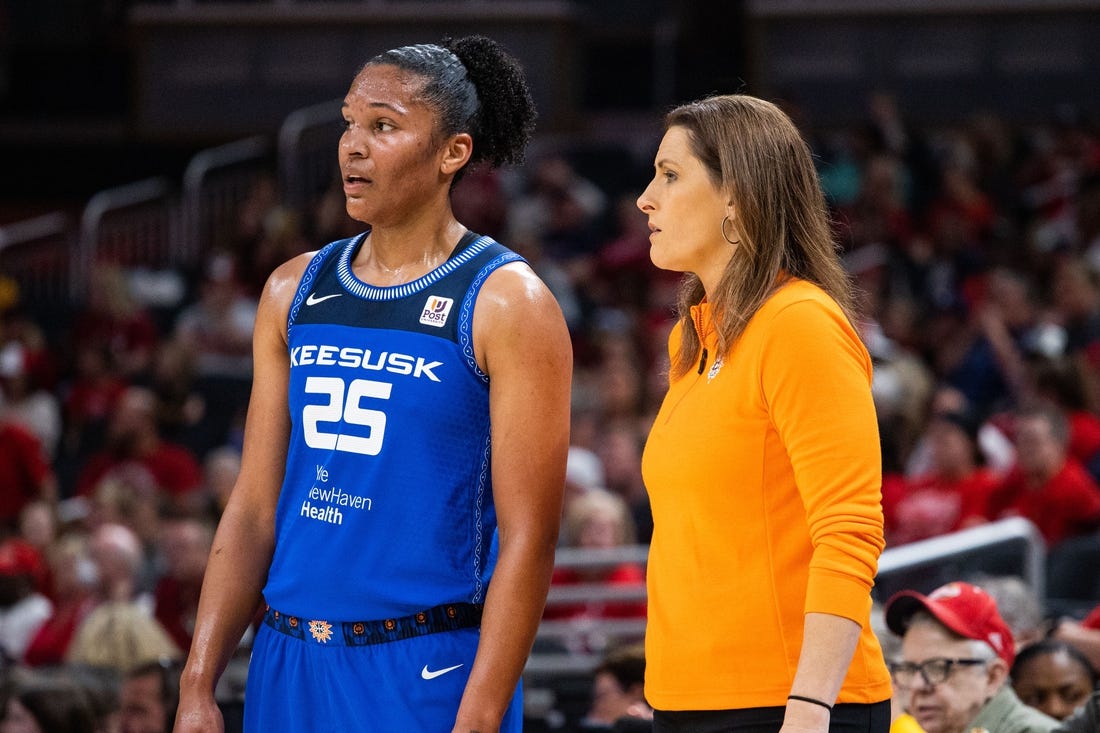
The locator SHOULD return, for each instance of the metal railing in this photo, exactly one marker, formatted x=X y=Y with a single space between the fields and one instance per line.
x=1006 y=547
x=215 y=184
x=136 y=225
x=568 y=647
x=38 y=254
x=143 y=224
x=308 y=140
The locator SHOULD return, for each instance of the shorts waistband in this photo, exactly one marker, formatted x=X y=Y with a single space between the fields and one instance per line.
x=444 y=617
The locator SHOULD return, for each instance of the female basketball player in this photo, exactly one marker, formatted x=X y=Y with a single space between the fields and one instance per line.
x=409 y=416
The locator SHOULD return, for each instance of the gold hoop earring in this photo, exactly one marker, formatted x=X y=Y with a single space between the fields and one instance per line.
x=726 y=220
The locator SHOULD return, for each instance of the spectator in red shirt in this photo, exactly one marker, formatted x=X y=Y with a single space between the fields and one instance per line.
x=115 y=320
x=74 y=577
x=952 y=495
x=1062 y=381
x=24 y=473
x=134 y=446
x=599 y=520
x=1047 y=486
x=23 y=609
x=89 y=401
x=184 y=546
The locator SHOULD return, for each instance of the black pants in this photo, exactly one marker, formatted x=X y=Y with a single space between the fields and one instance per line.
x=845 y=718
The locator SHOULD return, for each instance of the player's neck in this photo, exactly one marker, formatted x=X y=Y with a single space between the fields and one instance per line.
x=399 y=254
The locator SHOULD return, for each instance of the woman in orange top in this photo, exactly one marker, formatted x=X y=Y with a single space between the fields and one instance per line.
x=763 y=464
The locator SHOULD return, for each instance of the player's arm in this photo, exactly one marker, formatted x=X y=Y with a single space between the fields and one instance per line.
x=522 y=343
x=243 y=544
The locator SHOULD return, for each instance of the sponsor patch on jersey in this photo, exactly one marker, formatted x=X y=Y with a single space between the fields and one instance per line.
x=436 y=311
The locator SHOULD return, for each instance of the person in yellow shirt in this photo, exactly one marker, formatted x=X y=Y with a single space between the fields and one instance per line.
x=905 y=723
x=763 y=465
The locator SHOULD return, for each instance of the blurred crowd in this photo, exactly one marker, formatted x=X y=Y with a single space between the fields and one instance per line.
x=975 y=247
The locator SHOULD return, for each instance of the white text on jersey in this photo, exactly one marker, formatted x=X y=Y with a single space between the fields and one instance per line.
x=353 y=358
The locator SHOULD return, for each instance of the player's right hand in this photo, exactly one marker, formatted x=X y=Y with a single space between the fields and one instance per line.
x=198 y=716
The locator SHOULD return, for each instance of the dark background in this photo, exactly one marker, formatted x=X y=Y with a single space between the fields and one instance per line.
x=96 y=94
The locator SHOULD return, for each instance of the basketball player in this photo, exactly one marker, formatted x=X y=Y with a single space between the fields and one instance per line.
x=405 y=448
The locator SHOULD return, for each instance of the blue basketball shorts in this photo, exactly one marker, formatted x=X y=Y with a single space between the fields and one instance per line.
x=321 y=677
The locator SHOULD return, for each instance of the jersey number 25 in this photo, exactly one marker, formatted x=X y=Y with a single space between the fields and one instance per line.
x=348 y=410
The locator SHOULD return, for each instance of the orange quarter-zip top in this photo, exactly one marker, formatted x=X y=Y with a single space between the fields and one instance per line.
x=764 y=474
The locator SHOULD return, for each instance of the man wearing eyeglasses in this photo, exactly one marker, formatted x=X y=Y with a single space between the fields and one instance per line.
x=956 y=651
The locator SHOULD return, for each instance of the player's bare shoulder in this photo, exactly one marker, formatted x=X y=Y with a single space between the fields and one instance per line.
x=515 y=289
x=516 y=313
x=278 y=293
x=283 y=280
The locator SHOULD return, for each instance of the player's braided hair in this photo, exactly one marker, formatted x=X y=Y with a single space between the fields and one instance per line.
x=476 y=87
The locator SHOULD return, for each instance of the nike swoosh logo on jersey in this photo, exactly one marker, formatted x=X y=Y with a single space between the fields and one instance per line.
x=431 y=675
x=314 y=300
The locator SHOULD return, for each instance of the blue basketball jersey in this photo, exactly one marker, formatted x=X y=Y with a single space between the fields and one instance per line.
x=386 y=507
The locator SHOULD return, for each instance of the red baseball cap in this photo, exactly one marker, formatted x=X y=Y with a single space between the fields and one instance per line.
x=19 y=558
x=964 y=608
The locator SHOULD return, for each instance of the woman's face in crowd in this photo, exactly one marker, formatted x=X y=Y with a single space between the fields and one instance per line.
x=1054 y=683
x=601 y=530
x=951 y=448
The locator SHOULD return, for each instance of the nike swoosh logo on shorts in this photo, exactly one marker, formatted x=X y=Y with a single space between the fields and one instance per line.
x=431 y=675
x=314 y=300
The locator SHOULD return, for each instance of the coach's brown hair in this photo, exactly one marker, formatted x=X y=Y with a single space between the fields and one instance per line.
x=755 y=154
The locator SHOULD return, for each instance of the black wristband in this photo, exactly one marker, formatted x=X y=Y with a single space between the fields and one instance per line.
x=811 y=700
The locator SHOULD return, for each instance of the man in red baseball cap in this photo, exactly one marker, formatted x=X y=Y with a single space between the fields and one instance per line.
x=956 y=652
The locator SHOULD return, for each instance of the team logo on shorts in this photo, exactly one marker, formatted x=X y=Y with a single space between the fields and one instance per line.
x=320 y=630
x=436 y=311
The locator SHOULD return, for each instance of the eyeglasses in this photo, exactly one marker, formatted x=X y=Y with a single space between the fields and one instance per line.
x=933 y=671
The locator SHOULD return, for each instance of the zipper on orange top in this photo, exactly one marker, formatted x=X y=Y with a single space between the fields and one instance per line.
x=698 y=322
x=698 y=325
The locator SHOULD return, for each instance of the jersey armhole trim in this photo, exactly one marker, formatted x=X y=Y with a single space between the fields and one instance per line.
x=308 y=277
x=466 y=312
